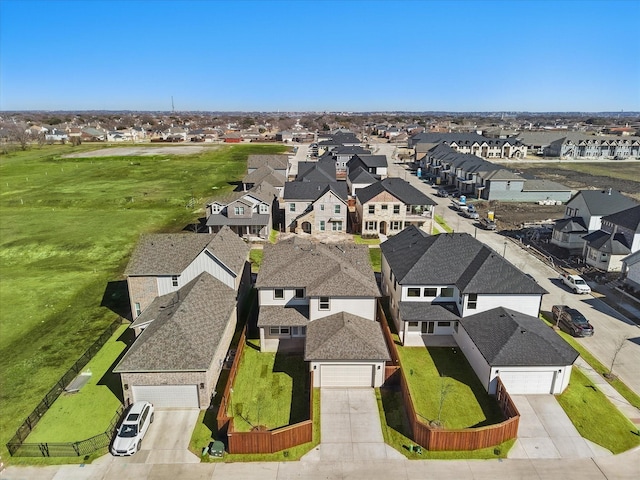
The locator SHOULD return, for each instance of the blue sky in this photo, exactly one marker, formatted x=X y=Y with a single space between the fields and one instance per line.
x=362 y=55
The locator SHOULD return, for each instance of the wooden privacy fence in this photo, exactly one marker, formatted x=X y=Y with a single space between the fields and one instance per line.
x=439 y=439
x=269 y=441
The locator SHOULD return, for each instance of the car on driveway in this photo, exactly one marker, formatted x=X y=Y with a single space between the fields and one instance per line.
x=128 y=440
x=572 y=321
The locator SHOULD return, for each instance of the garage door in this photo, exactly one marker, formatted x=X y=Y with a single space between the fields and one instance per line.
x=519 y=383
x=180 y=396
x=346 y=375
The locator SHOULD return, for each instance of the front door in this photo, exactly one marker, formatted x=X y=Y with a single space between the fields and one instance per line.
x=427 y=328
x=383 y=228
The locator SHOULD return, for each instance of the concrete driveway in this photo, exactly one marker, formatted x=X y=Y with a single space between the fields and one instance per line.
x=166 y=441
x=350 y=428
x=545 y=431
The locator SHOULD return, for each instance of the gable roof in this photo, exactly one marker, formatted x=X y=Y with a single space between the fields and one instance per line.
x=277 y=162
x=453 y=259
x=324 y=170
x=571 y=224
x=171 y=253
x=505 y=337
x=360 y=175
x=334 y=270
x=401 y=189
x=370 y=161
x=604 y=202
x=311 y=191
x=184 y=328
x=265 y=173
x=605 y=242
x=344 y=336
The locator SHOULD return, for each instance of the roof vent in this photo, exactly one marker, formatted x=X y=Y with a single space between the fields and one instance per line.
x=609 y=191
x=523 y=331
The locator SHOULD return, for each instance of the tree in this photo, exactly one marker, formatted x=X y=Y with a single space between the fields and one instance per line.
x=20 y=136
x=619 y=345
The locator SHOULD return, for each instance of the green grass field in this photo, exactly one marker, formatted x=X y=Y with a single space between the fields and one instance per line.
x=68 y=227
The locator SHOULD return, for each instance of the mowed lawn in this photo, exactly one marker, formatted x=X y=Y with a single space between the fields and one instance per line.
x=67 y=228
x=444 y=387
x=270 y=390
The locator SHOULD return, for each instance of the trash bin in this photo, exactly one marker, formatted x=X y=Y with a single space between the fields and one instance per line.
x=216 y=449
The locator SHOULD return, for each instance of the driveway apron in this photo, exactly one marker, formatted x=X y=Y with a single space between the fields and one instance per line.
x=545 y=431
x=350 y=428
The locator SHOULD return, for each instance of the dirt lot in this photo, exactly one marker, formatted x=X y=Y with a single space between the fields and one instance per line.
x=512 y=215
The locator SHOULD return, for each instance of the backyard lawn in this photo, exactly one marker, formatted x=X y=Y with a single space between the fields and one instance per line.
x=68 y=227
x=375 y=257
x=445 y=388
x=270 y=391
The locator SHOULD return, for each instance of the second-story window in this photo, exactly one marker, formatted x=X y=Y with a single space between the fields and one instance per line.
x=292 y=207
x=324 y=303
x=336 y=209
x=472 y=303
x=174 y=280
x=239 y=210
x=299 y=292
x=278 y=293
x=372 y=209
x=384 y=207
x=396 y=209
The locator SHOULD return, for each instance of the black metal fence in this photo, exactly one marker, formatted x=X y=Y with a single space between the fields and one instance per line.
x=14 y=445
x=69 y=449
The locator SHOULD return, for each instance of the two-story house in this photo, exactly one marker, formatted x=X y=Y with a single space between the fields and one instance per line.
x=583 y=214
x=388 y=206
x=435 y=280
x=262 y=175
x=618 y=237
x=314 y=207
x=374 y=164
x=248 y=214
x=184 y=290
x=320 y=299
x=279 y=163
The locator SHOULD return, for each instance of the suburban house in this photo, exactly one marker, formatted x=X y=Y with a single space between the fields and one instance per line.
x=279 y=163
x=477 y=177
x=473 y=144
x=342 y=155
x=631 y=271
x=528 y=356
x=248 y=214
x=313 y=207
x=320 y=299
x=583 y=214
x=328 y=142
x=388 y=206
x=262 y=175
x=322 y=170
x=358 y=178
x=184 y=290
x=619 y=236
x=374 y=164
x=162 y=263
x=435 y=280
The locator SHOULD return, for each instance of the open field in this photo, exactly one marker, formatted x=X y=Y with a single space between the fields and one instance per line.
x=68 y=227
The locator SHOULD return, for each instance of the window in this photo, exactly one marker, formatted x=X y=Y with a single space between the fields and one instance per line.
x=370 y=225
x=324 y=303
x=174 y=280
x=395 y=225
x=472 y=303
x=430 y=292
x=446 y=292
x=137 y=308
x=264 y=208
x=336 y=209
x=413 y=324
x=384 y=207
x=337 y=226
x=292 y=207
x=215 y=208
x=238 y=210
x=413 y=292
x=444 y=324
x=278 y=293
x=322 y=227
x=372 y=209
x=322 y=207
x=396 y=209
x=279 y=330
x=299 y=292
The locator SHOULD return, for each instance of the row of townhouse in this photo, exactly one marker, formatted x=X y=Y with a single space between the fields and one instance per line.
x=602 y=226
x=469 y=143
x=476 y=177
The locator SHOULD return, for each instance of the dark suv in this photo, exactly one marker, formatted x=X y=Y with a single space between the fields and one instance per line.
x=571 y=321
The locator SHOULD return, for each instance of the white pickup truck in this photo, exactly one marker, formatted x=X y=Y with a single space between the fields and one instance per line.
x=575 y=283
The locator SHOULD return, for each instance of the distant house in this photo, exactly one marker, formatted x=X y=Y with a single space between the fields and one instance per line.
x=618 y=237
x=314 y=207
x=320 y=299
x=248 y=214
x=473 y=144
x=390 y=205
x=583 y=214
x=56 y=135
x=343 y=154
x=630 y=273
x=578 y=145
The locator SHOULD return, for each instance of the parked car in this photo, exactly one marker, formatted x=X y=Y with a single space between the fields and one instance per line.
x=572 y=321
x=471 y=212
x=128 y=440
x=575 y=282
x=488 y=224
x=442 y=193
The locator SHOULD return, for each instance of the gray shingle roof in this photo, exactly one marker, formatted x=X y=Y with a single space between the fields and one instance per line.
x=185 y=329
x=278 y=316
x=424 y=311
x=277 y=162
x=604 y=202
x=171 y=253
x=334 y=270
x=360 y=175
x=311 y=191
x=605 y=242
x=571 y=224
x=544 y=186
x=505 y=337
x=453 y=259
x=324 y=170
x=372 y=161
x=401 y=189
x=265 y=174
x=629 y=218
x=344 y=336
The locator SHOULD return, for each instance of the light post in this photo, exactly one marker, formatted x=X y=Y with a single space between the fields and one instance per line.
x=504 y=252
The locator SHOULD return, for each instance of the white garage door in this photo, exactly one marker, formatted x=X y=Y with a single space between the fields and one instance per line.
x=519 y=383
x=346 y=375
x=181 y=396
